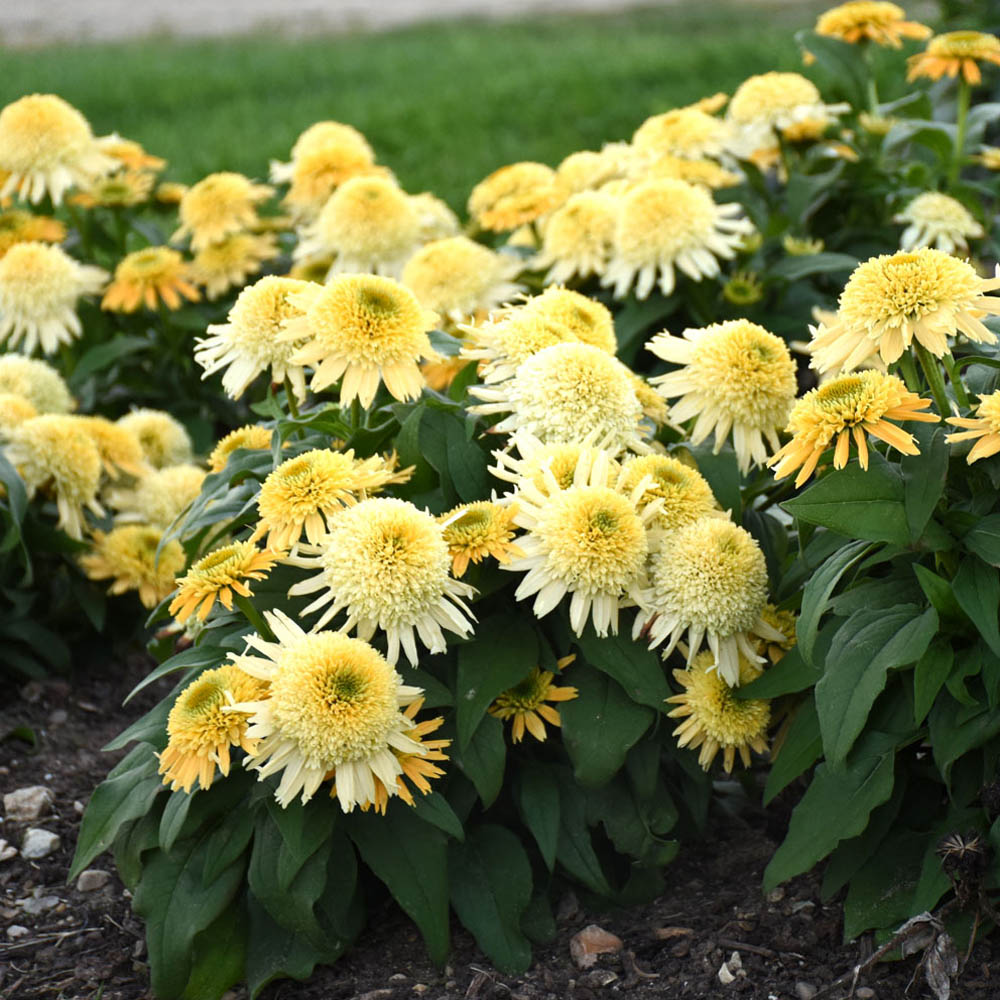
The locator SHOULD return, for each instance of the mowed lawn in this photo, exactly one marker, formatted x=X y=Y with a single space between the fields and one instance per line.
x=443 y=104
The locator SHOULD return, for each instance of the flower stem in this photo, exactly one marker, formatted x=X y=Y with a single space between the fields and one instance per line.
x=934 y=380
x=908 y=367
x=955 y=377
x=962 y=116
x=254 y=617
x=357 y=414
x=293 y=406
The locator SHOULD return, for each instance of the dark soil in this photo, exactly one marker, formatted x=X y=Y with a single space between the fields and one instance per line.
x=89 y=945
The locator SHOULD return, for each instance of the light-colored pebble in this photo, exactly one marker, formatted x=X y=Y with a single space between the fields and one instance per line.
x=592 y=941
x=25 y=804
x=7 y=851
x=39 y=843
x=58 y=717
x=16 y=931
x=37 y=905
x=92 y=879
x=864 y=993
x=805 y=991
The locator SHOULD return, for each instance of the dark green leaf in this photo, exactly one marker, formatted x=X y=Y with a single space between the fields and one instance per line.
x=977 y=589
x=931 y=672
x=537 y=792
x=956 y=729
x=937 y=590
x=923 y=478
x=103 y=356
x=575 y=851
x=790 y=674
x=433 y=808
x=723 y=475
x=794 y=268
x=983 y=539
x=467 y=464
x=204 y=655
x=801 y=748
x=484 y=758
x=273 y=952
x=880 y=893
x=637 y=669
x=174 y=814
x=219 y=955
x=17 y=497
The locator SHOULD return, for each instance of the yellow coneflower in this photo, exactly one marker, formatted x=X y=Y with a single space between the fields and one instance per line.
x=474 y=531
x=123 y=189
x=159 y=496
x=332 y=711
x=953 y=53
x=744 y=288
x=202 y=727
x=14 y=410
x=147 y=278
x=129 y=153
x=550 y=467
x=170 y=192
x=782 y=621
x=689 y=133
x=683 y=493
x=525 y=703
x=227 y=263
x=217 y=206
x=37 y=381
x=588 y=321
x=938 y=220
x=508 y=337
x=253 y=437
x=514 y=195
x=578 y=237
x=983 y=428
x=17 y=226
x=870 y=20
x=164 y=439
x=220 y=574
x=305 y=493
x=714 y=718
x=587 y=170
x=131 y=557
x=119 y=448
x=435 y=219
x=386 y=564
x=846 y=408
x=706 y=173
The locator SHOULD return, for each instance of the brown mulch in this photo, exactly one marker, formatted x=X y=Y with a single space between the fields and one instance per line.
x=89 y=945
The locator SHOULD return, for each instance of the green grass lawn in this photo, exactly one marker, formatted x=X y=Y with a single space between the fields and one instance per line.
x=443 y=104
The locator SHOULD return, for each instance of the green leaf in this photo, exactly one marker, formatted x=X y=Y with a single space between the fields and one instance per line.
x=410 y=859
x=537 y=791
x=219 y=955
x=789 y=675
x=103 y=356
x=433 y=808
x=123 y=796
x=503 y=653
x=723 y=474
x=983 y=539
x=274 y=952
x=937 y=590
x=490 y=889
x=801 y=748
x=856 y=503
x=204 y=655
x=467 y=464
x=929 y=675
x=818 y=590
x=923 y=478
x=484 y=758
x=303 y=830
x=866 y=647
x=575 y=851
x=637 y=669
x=795 y=268
x=976 y=587
x=841 y=61
x=880 y=893
x=835 y=806
x=176 y=904
x=938 y=137
x=600 y=725
x=17 y=497
x=956 y=729
x=537 y=921
x=174 y=814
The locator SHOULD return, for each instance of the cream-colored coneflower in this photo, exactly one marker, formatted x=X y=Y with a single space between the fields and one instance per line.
x=526 y=706
x=128 y=153
x=123 y=189
x=937 y=220
x=40 y=285
x=119 y=448
x=158 y=497
x=514 y=195
x=440 y=374
x=508 y=337
x=17 y=226
x=847 y=407
x=983 y=428
x=950 y=54
x=737 y=378
x=252 y=340
x=683 y=493
x=368 y=224
x=164 y=439
x=55 y=453
x=689 y=133
x=457 y=277
x=578 y=237
x=654 y=406
x=201 y=727
x=589 y=540
x=474 y=531
x=217 y=206
x=548 y=465
x=332 y=710
x=14 y=410
x=714 y=718
x=891 y=300
x=588 y=321
x=708 y=583
x=227 y=263
x=668 y=224
x=252 y=437
x=147 y=278
x=220 y=574
x=131 y=557
x=37 y=381
x=47 y=147
x=366 y=329
x=306 y=493
x=326 y=133
x=386 y=564
x=564 y=393
x=706 y=173
x=587 y=170
x=436 y=219
x=783 y=621
x=870 y=20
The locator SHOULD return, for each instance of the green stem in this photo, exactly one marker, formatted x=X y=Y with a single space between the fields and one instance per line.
x=357 y=414
x=955 y=377
x=254 y=617
x=909 y=369
x=293 y=406
x=934 y=380
x=964 y=98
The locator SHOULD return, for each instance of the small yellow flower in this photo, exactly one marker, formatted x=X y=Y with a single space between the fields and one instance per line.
x=37 y=381
x=129 y=153
x=514 y=195
x=683 y=493
x=474 y=531
x=714 y=718
x=989 y=157
x=149 y=277
x=217 y=206
x=587 y=170
x=17 y=226
x=220 y=574
x=123 y=189
x=228 y=262
x=526 y=704
x=938 y=220
x=119 y=448
x=202 y=727
x=953 y=53
x=984 y=428
x=14 y=410
x=870 y=20
x=164 y=440
x=578 y=237
x=252 y=437
x=131 y=557
x=159 y=496
x=801 y=246
x=781 y=621
x=744 y=288
x=846 y=408
x=587 y=320
x=689 y=133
